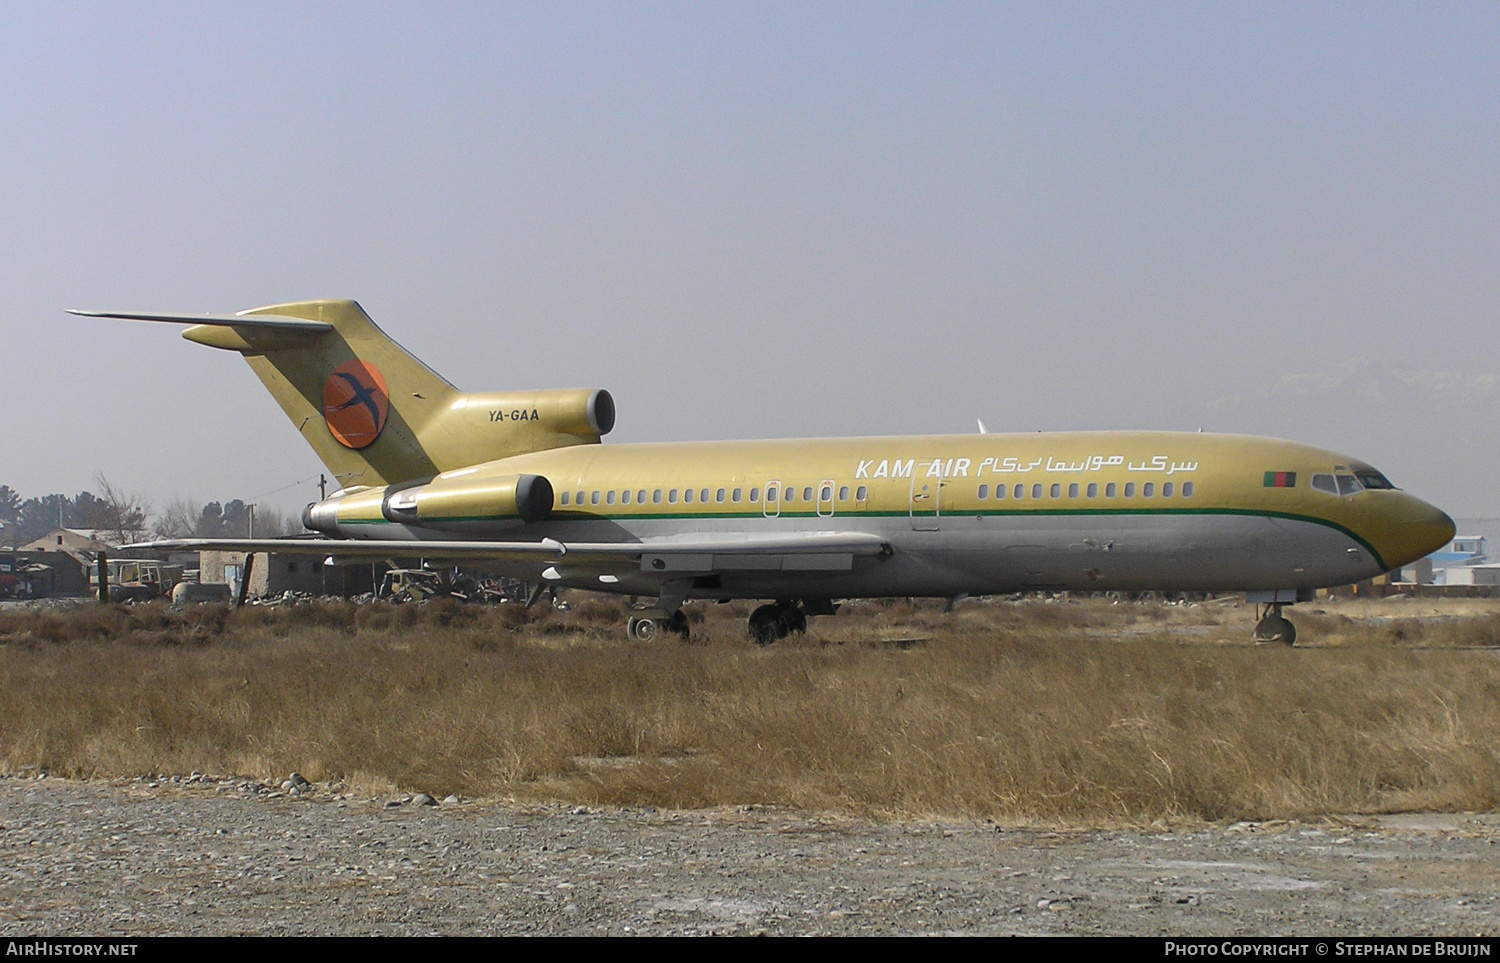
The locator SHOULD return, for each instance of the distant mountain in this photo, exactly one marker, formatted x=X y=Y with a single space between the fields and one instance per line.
x=1435 y=433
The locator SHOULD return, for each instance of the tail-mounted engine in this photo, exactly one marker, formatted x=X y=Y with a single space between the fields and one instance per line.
x=466 y=504
x=460 y=504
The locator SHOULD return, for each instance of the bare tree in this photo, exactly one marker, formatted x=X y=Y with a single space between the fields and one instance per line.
x=178 y=520
x=126 y=514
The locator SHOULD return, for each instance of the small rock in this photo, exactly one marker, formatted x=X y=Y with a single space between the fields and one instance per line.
x=392 y=803
x=422 y=799
x=450 y=800
x=296 y=779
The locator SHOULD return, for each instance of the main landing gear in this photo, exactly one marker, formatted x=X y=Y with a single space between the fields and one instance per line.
x=644 y=630
x=1273 y=626
x=776 y=621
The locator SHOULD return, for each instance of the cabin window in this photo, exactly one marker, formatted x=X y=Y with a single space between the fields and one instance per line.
x=734 y=496
x=1187 y=489
x=984 y=492
x=578 y=499
x=564 y=498
x=625 y=497
x=1148 y=489
x=1020 y=491
x=1325 y=483
x=1109 y=490
x=687 y=495
x=770 y=493
x=656 y=497
x=719 y=495
x=843 y=493
x=640 y=497
x=1166 y=490
x=807 y=494
x=593 y=498
x=609 y=497
x=826 y=494
x=790 y=495
x=1036 y=490
x=1130 y=489
x=755 y=494
x=1073 y=490
x=672 y=497
x=1055 y=491
x=1093 y=490
x=861 y=493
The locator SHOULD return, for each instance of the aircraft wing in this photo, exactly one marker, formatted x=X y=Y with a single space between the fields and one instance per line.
x=698 y=553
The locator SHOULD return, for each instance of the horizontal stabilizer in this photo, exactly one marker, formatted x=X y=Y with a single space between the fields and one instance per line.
x=263 y=322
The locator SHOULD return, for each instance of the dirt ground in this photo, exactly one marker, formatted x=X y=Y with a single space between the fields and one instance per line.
x=223 y=856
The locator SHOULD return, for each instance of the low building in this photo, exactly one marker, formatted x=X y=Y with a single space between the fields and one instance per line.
x=1485 y=574
x=270 y=574
x=1461 y=553
x=83 y=544
x=1417 y=573
x=41 y=574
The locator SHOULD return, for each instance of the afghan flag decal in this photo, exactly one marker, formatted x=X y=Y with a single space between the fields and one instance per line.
x=1281 y=479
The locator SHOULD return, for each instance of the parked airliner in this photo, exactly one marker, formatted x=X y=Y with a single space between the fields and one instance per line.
x=521 y=482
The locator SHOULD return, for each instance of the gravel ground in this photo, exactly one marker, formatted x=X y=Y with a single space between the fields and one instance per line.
x=226 y=856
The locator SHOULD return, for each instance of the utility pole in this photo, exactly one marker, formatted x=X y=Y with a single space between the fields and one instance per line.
x=322 y=486
x=251 y=533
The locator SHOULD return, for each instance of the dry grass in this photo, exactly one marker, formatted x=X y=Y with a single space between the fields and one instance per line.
x=1086 y=712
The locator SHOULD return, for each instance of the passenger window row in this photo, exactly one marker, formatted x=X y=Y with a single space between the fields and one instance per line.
x=1091 y=490
x=774 y=493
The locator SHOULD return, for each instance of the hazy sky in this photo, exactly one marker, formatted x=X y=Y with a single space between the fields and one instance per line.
x=761 y=220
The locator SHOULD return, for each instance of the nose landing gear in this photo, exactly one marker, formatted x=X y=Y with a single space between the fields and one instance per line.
x=1273 y=626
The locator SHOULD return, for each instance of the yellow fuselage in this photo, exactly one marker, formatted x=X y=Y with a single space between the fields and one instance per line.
x=995 y=512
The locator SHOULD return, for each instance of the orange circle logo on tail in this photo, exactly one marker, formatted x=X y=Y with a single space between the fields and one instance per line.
x=355 y=404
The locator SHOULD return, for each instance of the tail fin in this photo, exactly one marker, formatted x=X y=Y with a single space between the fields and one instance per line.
x=376 y=415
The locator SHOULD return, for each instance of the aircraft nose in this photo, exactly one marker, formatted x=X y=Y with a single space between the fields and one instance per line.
x=1414 y=530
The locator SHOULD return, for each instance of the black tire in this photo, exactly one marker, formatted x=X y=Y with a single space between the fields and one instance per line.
x=766 y=625
x=1276 y=628
x=643 y=630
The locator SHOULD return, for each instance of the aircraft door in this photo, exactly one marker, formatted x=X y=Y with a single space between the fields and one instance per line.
x=826 y=489
x=925 y=502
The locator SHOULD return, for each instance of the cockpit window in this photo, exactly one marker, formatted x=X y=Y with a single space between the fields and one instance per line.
x=1373 y=479
x=1348 y=484
x=1325 y=483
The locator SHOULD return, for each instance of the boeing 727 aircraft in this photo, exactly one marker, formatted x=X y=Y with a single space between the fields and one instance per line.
x=520 y=481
